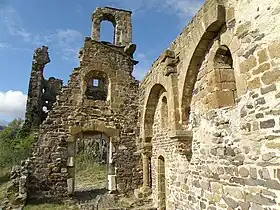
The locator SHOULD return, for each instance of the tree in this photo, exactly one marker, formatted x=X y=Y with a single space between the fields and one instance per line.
x=13 y=149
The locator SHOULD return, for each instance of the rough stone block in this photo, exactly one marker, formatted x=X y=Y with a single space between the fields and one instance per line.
x=243 y=172
x=270 y=77
x=225 y=98
x=262 y=68
x=227 y=75
x=248 y=64
x=254 y=83
x=267 y=124
x=230 y=14
x=262 y=56
x=274 y=49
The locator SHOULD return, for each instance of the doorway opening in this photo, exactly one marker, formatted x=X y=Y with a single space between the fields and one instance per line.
x=91 y=160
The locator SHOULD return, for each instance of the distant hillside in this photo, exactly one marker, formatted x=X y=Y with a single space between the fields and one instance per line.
x=2 y=127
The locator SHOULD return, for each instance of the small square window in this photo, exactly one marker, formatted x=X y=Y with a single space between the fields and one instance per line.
x=95 y=82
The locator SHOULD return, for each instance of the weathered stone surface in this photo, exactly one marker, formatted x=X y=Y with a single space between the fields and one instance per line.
x=270 y=77
x=273 y=49
x=230 y=202
x=206 y=108
x=262 y=56
x=262 y=68
x=267 y=124
x=254 y=83
x=268 y=89
x=248 y=64
x=268 y=156
x=244 y=205
x=259 y=199
x=243 y=172
x=272 y=184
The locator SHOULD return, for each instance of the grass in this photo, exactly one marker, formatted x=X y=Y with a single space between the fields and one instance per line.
x=90 y=176
x=50 y=207
x=4 y=178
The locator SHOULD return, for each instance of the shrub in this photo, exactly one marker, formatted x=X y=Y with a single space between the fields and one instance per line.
x=13 y=149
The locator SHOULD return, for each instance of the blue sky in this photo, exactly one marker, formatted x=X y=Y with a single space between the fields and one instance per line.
x=62 y=26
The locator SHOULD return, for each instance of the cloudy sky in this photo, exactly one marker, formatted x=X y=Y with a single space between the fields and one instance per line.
x=62 y=25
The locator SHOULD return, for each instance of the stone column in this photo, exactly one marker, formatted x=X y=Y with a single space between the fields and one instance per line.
x=70 y=164
x=111 y=169
x=95 y=31
x=146 y=155
x=146 y=170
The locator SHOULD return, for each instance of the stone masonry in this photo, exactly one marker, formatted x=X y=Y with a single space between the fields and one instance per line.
x=201 y=131
x=101 y=98
x=41 y=93
x=220 y=78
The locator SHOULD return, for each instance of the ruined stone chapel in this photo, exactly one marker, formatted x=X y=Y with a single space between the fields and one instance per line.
x=201 y=131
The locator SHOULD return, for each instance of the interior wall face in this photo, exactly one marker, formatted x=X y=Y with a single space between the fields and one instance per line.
x=235 y=153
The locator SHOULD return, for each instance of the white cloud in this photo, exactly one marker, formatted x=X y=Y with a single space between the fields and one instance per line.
x=13 y=22
x=68 y=41
x=64 y=41
x=12 y=104
x=3 y=45
x=79 y=9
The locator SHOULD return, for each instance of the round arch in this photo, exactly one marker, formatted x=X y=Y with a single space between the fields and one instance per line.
x=149 y=111
x=190 y=76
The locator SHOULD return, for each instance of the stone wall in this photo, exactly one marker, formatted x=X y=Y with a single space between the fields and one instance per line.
x=41 y=93
x=208 y=122
x=50 y=172
x=74 y=114
x=220 y=78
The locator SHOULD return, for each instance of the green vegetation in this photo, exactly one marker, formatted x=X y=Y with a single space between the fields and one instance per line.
x=89 y=174
x=12 y=148
x=50 y=207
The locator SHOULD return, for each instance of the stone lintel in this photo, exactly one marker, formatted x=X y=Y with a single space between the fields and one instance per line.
x=75 y=130
x=181 y=135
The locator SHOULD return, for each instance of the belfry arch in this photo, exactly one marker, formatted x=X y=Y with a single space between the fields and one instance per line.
x=121 y=20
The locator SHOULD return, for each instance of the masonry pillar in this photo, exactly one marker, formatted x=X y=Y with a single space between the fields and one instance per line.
x=112 y=186
x=70 y=164
x=146 y=160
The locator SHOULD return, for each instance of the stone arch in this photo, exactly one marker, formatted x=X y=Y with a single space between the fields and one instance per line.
x=98 y=22
x=97 y=85
x=121 y=20
x=213 y=24
x=150 y=108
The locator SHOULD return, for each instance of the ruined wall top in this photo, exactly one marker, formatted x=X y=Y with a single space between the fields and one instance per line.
x=121 y=20
x=41 y=56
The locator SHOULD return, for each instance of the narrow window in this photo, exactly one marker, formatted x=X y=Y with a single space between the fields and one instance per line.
x=225 y=86
x=95 y=82
x=97 y=86
x=164 y=113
